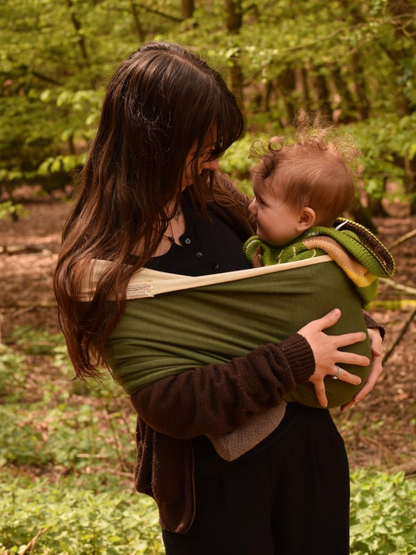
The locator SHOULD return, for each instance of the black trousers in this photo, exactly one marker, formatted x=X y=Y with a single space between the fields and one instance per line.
x=291 y=498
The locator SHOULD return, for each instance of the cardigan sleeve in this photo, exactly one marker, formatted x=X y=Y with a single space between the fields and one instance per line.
x=219 y=398
x=373 y=324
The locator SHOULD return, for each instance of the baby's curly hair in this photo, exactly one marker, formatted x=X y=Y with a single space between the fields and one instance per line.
x=315 y=167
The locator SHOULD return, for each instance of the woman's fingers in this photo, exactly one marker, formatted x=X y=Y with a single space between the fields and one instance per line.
x=325 y=322
x=375 y=373
x=348 y=377
x=376 y=342
x=327 y=355
x=352 y=358
x=348 y=338
x=319 y=386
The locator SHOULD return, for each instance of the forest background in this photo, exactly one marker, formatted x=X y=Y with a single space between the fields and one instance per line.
x=67 y=450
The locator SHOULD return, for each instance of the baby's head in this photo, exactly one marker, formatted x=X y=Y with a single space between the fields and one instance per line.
x=296 y=186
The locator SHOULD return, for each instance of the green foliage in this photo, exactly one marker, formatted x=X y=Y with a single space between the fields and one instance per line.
x=74 y=438
x=383 y=518
x=352 y=61
x=98 y=515
x=12 y=371
x=385 y=141
x=48 y=429
x=9 y=209
x=36 y=342
x=82 y=439
x=75 y=519
x=236 y=160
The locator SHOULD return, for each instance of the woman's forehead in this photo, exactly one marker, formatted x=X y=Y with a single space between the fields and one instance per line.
x=211 y=137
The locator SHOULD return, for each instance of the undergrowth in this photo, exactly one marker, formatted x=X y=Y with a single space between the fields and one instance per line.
x=67 y=456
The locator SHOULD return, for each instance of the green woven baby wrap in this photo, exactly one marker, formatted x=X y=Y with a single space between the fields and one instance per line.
x=209 y=320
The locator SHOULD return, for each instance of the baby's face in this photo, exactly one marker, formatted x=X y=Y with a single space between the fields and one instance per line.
x=277 y=223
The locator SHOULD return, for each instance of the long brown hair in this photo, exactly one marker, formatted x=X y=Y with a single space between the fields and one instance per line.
x=160 y=104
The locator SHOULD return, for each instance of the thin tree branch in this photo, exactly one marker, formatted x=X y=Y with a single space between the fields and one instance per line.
x=408 y=468
x=312 y=43
x=402 y=239
x=32 y=542
x=78 y=29
x=45 y=78
x=400 y=335
x=398 y=286
x=37 y=74
x=157 y=12
x=137 y=23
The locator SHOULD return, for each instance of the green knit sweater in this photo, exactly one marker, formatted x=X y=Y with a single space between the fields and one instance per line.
x=356 y=250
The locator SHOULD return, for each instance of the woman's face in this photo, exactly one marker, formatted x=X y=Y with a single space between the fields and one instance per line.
x=204 y=161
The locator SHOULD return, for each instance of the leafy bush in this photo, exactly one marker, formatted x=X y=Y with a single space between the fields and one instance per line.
x=87 y=434
x=15 y=210
x=74 y=520
x=74 y=438
x=383 y=517
x=12 y=371
x=77 y=518
x=66 y=423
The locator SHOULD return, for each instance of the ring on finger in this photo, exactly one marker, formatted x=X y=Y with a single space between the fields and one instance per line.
x=336 y=376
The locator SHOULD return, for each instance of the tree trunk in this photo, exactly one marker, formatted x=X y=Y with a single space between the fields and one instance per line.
x=234 y=21
x=304 y=87
x=188 y=7
x=267 y=95
x=375 y=205
x=347 y=100
x=287 y=85
x=322 y=92
x=410 y=183
x=77 y=26
x=403 y=9
x=138 y=27
x=363 y=216
x=363 y=104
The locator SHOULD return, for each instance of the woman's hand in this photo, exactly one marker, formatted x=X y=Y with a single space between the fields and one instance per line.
x=326 y=354
x=376 y=368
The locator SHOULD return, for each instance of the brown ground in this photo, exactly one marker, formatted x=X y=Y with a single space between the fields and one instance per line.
x=380 y=431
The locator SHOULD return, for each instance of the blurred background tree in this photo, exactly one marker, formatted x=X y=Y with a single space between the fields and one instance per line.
x=354 y=62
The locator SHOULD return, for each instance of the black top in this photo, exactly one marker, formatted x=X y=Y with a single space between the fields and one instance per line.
x=207 y=248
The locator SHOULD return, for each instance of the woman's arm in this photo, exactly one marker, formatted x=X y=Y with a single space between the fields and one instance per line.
x=219 y=398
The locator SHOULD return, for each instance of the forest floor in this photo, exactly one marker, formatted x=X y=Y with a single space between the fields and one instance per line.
x=380 y=432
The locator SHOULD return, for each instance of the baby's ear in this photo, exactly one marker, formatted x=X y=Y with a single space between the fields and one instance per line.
x=306 y=220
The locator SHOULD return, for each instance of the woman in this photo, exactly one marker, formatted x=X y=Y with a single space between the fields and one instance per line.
x=151 y=196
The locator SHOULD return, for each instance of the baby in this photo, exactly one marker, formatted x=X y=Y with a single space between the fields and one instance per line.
x=300 y=190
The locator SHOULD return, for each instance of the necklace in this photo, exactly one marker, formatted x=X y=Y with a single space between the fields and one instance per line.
x=176 y=216
x=170 y=237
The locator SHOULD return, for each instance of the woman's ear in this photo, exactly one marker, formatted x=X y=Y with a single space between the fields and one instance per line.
x=306 y=220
